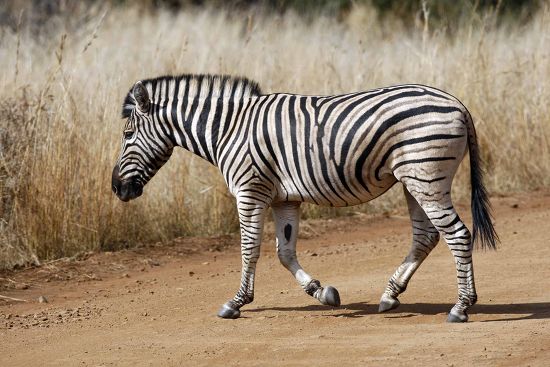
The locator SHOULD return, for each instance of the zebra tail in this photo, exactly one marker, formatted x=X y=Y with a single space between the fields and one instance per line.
x=484 y=233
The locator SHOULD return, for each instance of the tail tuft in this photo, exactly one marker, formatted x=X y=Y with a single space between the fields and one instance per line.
x=484 y=232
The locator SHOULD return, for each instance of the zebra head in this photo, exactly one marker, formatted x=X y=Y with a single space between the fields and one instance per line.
x=145 y=148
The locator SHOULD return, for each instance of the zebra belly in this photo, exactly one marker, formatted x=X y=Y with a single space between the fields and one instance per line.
x=325 y=193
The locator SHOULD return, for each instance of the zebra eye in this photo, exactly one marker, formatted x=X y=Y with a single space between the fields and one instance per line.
x=128 y=134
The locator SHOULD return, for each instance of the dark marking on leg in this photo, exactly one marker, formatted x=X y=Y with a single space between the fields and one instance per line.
x=288 y=232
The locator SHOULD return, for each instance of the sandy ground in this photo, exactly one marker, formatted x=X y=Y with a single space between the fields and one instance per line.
x=156 y=306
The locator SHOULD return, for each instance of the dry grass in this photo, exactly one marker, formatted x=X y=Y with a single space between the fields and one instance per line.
x=61 y=92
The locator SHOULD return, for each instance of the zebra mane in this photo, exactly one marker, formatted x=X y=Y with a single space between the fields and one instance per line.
x=217 y=86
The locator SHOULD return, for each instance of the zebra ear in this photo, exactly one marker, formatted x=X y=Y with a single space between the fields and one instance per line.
x=142 y=97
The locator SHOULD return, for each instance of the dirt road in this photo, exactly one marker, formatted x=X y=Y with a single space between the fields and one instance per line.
x=157 y=307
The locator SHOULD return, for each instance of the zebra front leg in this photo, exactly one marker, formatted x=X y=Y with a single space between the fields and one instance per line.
x=287 y=216
x=425 y=238
x=251 y=218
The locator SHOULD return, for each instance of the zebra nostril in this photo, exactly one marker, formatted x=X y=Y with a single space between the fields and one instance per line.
x=115 y=189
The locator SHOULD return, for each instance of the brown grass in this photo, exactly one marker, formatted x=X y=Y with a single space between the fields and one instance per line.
x=61 y=92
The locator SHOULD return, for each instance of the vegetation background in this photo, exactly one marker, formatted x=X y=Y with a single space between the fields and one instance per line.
x=66 y=66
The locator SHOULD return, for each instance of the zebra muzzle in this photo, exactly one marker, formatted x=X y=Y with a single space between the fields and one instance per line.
x=125 y=190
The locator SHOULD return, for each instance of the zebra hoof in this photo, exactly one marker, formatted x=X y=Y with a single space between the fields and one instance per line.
x=457 y=316
x=388 y=303
x=330 y=297
x=227 y=312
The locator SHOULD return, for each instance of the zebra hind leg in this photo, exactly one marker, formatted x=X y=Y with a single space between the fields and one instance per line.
x=441 y=212
x=251 y=218
x=425 y=238
x=286 y=216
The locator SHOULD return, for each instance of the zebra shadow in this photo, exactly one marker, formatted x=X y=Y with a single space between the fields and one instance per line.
x=510 y=312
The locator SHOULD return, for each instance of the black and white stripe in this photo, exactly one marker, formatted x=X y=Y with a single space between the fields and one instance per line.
x=279 y=150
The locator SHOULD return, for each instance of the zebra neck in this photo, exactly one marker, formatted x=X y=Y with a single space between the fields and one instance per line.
x=199 y=123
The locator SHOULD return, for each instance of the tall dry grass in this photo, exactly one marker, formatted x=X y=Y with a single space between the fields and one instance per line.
x=61 y=91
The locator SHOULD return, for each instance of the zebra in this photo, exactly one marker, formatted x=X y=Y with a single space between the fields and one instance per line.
x=280 y=150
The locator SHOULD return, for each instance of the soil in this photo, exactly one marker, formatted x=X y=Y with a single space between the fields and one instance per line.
x=156 y=305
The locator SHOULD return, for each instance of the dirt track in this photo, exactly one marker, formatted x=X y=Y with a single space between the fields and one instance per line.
x=157 y=306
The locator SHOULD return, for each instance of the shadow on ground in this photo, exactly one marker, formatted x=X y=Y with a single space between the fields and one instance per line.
x=516 y=311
